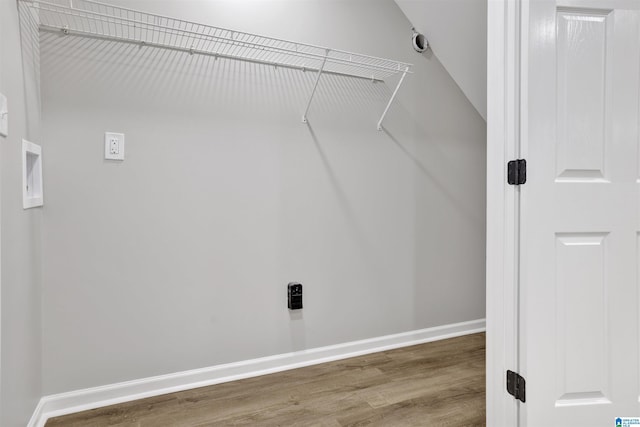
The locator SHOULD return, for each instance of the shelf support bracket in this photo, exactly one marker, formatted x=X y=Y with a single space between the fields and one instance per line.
x=315 y=86
x=395 y=92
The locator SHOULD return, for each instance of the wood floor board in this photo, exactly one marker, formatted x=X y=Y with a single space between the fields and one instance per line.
x=435 y=384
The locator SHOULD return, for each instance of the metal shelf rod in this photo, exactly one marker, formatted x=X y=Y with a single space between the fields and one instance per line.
x=395 y=92
x=106 y=5
x=53 y=8
x=50 y=29
x=93 y=19
x=315 y=86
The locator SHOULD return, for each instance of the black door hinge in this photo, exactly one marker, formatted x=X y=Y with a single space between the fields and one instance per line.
x=516 y=386
x=517 y=172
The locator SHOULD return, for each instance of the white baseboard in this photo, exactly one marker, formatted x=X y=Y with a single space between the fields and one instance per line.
x=96 y=397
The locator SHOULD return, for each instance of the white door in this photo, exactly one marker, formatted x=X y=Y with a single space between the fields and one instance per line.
x=579 y=223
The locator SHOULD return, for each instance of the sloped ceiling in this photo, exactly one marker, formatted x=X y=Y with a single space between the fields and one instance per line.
x=457 y=34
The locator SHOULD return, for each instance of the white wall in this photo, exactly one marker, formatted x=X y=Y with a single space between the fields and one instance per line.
x=20 y=285
x=457 y=34
x=179 y=257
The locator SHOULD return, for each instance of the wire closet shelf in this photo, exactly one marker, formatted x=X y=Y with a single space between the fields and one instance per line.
x=100 y=20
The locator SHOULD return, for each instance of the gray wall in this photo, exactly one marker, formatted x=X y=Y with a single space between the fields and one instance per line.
x=457 y=34
x=20 y=289
x=178 y=258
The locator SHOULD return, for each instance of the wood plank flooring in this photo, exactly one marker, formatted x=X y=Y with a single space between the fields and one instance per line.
x=436 y=384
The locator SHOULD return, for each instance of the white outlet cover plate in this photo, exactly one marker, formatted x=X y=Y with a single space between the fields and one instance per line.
x=108 y=136
x=4 y=116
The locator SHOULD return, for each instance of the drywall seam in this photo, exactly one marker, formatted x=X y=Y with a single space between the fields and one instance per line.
x=91 y=398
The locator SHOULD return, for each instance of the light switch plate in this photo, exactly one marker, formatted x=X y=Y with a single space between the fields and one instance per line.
x=4 y=116
x=113 y=146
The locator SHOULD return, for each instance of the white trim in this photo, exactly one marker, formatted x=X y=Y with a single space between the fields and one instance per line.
x=38 y=418
x=91 y=398
x=503 y=133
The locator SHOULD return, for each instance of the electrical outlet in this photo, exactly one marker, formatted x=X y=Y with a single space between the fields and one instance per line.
x=114 y=146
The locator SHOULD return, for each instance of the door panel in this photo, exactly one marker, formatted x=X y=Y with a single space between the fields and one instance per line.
x=583 y=44
x=580 y=219
x=583 y=362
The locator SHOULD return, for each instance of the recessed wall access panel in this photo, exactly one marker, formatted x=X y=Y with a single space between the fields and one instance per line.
x=32 y=190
